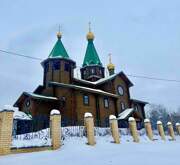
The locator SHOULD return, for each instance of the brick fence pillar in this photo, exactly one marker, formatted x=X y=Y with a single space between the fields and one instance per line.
x=161 y=130
x=89 y=124
x=178 y=128
x=149 y=132
x=6 y=125
x=133 y=129
x=55 y=129
x=171 y=130
x=114 y=128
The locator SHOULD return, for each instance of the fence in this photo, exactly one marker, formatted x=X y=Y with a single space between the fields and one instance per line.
x=31 y=137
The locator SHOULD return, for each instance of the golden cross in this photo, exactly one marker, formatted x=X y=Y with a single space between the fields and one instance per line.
x=89 y=26
x=110 y=58
x=59 y=28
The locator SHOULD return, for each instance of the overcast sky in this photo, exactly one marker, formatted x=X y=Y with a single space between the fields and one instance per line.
x=143 y=37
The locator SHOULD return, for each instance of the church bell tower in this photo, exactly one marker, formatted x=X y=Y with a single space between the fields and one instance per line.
x=92 y=68
x=58 y=67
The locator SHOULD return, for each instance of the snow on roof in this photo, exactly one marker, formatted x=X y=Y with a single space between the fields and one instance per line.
x=19 y=115
x=10 y=107
x=102 y=80
x=87 y=114
x=125 y=114
x=111 y=117
x=146 y=121
x=159 y=122
x=40 y=96
x=55 y=112
x=98 y=81
x=84 y=88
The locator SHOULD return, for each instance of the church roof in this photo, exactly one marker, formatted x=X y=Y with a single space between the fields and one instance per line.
x=91 y=90
x=91 y=56
x=139 y=101
x=104 y=80
x=58 y=50
x=34 y=96
x=125 y=114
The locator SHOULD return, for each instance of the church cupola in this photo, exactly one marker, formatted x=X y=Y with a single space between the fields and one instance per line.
x=110 y=66
x=92 y=69
x=58 y=67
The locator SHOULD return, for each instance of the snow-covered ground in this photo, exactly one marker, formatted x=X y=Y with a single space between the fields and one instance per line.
x=76 y=152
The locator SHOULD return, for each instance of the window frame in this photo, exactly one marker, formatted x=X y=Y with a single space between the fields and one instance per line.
x=106 y=99
x=123 y=105
x=120 y=86
x=84 y=99
x=56 y=65
x=66 y=67
x=93 y=71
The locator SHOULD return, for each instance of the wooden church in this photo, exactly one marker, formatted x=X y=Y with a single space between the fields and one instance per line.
x=95 y=93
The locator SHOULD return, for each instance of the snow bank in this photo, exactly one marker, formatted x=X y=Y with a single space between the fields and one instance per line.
x=34 y=139
x=55 y=112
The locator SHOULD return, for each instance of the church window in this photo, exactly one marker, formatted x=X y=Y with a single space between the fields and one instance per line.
x=56 y=65
x=67 y=67
x=92 y=70
x=106 y=102
x=100 y=71
x=84 y=72
x=123 y=107
x=86 y=99
x=136 y=108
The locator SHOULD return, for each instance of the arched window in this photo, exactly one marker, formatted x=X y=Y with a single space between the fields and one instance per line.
x=92 y=70
x=106 y=102
x=123 y=107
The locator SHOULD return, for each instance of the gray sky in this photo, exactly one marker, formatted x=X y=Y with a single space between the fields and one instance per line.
x=143 y=37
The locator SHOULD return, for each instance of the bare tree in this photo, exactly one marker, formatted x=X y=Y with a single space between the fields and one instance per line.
x=159 y=112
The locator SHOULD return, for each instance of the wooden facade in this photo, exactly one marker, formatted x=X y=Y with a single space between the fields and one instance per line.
x=101 y=96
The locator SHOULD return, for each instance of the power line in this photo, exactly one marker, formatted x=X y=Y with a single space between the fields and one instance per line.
x=154 y=78
x=130 y=75
x=20 y=55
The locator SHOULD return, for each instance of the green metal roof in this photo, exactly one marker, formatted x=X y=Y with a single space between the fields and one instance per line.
x=58 y=50
x=91 y=56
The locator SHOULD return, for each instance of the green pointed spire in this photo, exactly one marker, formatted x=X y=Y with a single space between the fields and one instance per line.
x=58 y=49
x=91 y=56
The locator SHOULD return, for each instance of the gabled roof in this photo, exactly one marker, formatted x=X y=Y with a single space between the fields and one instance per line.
x=35 y=96
x=58 y=50
x=38 y=96
x=139 y=101
x=104 y=80
x=91 y=56
x=91 y=90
